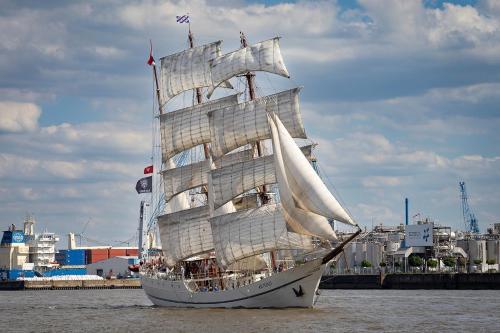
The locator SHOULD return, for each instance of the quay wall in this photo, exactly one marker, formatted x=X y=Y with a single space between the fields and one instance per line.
x=71 y=284
x=413 y=281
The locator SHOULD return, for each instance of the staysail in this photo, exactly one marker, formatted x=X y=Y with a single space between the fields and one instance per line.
x=308 y=189
x=300 y=220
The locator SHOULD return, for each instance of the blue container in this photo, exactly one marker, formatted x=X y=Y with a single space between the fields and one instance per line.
x=75 y=257
x=66 y=271
x=13 y=274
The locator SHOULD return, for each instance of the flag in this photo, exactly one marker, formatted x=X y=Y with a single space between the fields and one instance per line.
x=151 y=60
x=148 y=170
x=182 y=19
x=144 y=185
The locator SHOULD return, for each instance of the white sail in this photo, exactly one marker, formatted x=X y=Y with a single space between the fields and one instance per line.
x=238 y=178
x=263 y=56
x=244 y=123
x=300 y=220
x=189 y=69
x=180 y=201
x=247 y=233
x=185 y=233
x=186 y=128
x=308 y=189
x=228 y=159
x=184 y=178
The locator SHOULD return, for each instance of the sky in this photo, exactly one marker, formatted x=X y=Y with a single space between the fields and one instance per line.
x=402 y=98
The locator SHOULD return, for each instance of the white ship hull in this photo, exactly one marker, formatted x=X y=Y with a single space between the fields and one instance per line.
x=295 y=287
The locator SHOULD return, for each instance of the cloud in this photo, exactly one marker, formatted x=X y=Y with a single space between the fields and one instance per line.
x=402 y=98
x=19 y=117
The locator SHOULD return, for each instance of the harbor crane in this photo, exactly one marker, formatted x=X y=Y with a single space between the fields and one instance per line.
x=470 y=220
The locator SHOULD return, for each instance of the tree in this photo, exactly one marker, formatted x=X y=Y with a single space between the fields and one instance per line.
x=449 y=262
x=382 y=264
x=432 y=263
x=397 y=264
x=477 y=261
x=415 y=261
x=461 y=261
x=490 y=261
x=365 y=264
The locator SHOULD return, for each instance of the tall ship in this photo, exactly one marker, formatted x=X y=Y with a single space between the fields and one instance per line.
x=243 y=217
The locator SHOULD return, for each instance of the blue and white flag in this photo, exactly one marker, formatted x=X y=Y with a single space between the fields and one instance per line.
x=182 y=19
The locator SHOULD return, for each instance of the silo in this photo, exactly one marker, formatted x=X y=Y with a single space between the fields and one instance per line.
x=493 y=250
x=374 y=253
x=360 y=255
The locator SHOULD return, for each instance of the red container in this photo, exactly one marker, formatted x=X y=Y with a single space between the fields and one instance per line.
x=117 y=252
x=132 y=252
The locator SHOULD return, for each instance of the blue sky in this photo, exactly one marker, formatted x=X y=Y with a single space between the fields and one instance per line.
x=402 y=97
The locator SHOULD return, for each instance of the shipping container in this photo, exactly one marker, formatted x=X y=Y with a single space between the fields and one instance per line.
x=76 y=257
x=66 y=271
x=117 y=252
x=132 y=252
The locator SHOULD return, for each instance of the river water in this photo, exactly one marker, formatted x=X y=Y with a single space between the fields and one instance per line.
x=336 y=311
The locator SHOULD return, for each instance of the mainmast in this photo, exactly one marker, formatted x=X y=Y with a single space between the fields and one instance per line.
x=251 y=92
x=198 y=91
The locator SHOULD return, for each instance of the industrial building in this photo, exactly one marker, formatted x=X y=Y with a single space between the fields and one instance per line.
x=113 y=267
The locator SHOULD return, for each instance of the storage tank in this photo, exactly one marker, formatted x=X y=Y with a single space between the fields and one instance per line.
x=392 y=246
x=493 y=250
x=360 y=253
x=374 y=253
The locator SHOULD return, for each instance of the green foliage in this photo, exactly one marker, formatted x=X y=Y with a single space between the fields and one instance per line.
x=397 y=264
x=461 y=261
x=382 y=264
x=449 y=262
x=477 y=261
x=432 y=263
x=490 y=261
x=366 y=264
x=415 y=261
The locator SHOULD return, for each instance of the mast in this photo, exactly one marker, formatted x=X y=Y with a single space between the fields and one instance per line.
x=198 y=90
x=251 y=92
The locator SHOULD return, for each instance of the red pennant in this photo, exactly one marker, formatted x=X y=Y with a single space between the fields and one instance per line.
x=148 y=170
x=151 y=60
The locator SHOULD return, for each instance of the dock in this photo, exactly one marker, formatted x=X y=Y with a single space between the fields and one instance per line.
x=71 y=284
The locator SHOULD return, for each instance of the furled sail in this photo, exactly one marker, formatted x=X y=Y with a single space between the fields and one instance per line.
x=247 y=233
x=308 y=189
x=189 y=69
x=299 y=220
x=185 y=233
x=238 y=178
x=244 y=123
x=186 y=128
x=263 y=56
x=185 y=178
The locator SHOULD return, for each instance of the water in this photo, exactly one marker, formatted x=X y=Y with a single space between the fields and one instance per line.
x=337 y=311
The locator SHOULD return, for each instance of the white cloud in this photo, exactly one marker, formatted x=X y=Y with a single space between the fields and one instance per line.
x=19 y=117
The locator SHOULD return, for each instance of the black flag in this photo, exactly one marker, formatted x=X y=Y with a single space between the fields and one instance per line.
x=144 y=185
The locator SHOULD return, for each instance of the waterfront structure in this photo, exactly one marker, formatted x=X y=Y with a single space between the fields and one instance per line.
x=113 y=267
x=14 y=255
x=42 y=246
